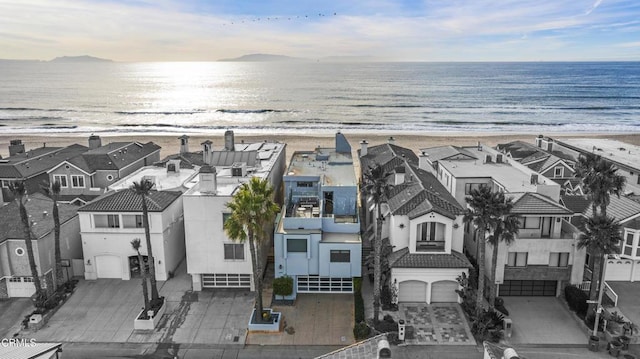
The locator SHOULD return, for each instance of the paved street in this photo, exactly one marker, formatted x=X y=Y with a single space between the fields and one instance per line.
x=12 y=311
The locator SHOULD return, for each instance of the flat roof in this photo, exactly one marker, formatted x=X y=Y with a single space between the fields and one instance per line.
x=164 y=180
x=621 y=152
x=511 y=178
x=268 y=154
x=334 y=168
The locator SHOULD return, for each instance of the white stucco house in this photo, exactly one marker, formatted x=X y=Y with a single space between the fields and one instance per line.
x=213 y=259
x=109 y=224
x=423 y=223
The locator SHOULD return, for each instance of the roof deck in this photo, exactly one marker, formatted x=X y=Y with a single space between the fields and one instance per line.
x=334 y=168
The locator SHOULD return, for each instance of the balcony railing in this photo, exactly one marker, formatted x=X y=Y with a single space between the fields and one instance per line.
x=430 y=246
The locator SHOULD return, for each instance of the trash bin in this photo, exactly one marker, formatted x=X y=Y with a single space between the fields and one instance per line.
x=614 y=348
x=508 y=327
x=401 y=329
x=594 y=343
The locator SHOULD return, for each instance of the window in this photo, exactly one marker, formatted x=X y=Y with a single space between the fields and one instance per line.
x=296 y=245
x=517 y=259
x=20 y=251
x=340 y=256
x=113 y=221
x=471 y=186
x=628 y=245
x=558 y=259
x=5 y=183
x=62 y=179
x=132 y=221
x=530 y=222
x=15 y=279
x=558 y=172
x=234 y=251
x=305 y=184
x=77 y=181
x=225 y=217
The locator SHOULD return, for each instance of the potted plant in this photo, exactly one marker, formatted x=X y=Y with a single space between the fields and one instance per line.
x=282 y=287
x=615 y=323
x=614 y=347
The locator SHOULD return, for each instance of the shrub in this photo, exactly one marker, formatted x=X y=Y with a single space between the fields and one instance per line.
x=283 y=286
x=358 y=303
x=488 y=326
x=576 y=299
x=361 y=331
x=387 y=299
x=499 y=304
x=387 y=325
x=357 y=284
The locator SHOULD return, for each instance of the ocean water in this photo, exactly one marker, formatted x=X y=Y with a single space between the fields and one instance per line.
x=315 y=97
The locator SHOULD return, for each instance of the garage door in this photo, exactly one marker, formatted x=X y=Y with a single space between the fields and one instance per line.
x=412 y=291
x=108 y=267
x=20 y=287
x=226 y=280
x=444 y=292
x=528 y=288
x=317 y=284
x=619 y=270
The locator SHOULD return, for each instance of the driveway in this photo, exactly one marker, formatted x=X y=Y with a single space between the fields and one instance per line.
x=103 y=310
x=628 y=303
x=435 y=324
x=542 y=320
x=12 y=312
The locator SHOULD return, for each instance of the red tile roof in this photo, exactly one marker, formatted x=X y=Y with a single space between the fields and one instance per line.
x=128 y=201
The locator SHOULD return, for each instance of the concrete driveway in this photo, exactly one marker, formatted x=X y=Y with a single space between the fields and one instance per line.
x=542 y=320
x=628 y=303
x=12 y=312
x=103 y=310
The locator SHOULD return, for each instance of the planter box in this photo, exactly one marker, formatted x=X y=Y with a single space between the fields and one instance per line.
x=149 y=324
x=274 y=326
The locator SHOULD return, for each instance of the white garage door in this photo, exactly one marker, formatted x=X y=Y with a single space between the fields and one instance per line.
x=317 y=284
x=619 y=270
x=20 y=287
x=412 y=291
x=108 y=267
x=226 y=280
x=444 y=292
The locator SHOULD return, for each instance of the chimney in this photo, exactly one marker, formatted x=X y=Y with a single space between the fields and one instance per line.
x=550 y=145
x=208 y=180
x=384 y=350
x=44 y=214
x=391 y=140
x=206 y=151
x=479 y=146
x=15 y=147
x=423 y=161
x=229 y=144
x=94 y=142
x=399 y=175
x=184 y=144
x=363 y=148
x=539 y=141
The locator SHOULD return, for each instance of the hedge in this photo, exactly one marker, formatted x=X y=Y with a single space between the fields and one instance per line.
x=576 y=299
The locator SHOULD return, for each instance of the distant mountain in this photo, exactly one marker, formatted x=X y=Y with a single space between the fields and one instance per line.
x=264 y=58
x=85 y=58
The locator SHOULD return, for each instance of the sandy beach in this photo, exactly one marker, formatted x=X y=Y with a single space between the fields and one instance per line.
x=170 y=142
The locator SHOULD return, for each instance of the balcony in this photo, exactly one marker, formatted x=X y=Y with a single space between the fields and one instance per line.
x=430 y=246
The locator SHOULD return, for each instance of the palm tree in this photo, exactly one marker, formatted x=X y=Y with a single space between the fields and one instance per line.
x=600 y=181
x=53 y=191
x=505 y=230
x=377 y=187
x=484 y=210
x=135 y=244
x=19 y=191
x=601 y=236
x=252 y=210
x=142 y=189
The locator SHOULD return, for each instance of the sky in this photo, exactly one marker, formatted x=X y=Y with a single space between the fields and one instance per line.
x=429 y=30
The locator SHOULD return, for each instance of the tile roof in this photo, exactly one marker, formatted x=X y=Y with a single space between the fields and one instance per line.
x=620 y=208
x=388 y=155
x=404 y=259
x=36 y=161
x=535 y=203
x=36 y=205
x=128 y=201
x=576 y=204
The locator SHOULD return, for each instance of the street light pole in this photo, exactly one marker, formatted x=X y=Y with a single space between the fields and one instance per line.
x=602 y=284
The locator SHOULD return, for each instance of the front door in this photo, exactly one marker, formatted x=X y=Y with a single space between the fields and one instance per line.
x=546 y=227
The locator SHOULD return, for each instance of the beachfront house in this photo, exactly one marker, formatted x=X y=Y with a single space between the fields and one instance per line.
x=87 y=175
x=422 y=224
x=317 y=235
x=544 y=257
x=110 y=222
x=214 y=260
x=16 y=279
x=32 y=166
